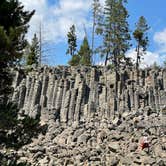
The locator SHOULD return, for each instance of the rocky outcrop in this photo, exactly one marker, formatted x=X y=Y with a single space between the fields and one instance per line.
x=77 y=104
x=76 y=94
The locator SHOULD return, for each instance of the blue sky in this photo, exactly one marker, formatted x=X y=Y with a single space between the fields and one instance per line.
x=56 y=16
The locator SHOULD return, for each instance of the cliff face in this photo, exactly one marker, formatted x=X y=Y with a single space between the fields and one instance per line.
x=77 y=105
x=78 y=94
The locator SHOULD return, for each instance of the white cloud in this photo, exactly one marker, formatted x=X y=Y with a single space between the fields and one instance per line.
x=40 y=7
x=147 y=60
x=160 y=39
x=57 y=19
x=158 y=56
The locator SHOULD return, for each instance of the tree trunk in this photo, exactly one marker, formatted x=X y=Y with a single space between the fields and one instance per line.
x=137 y=65
x=106 y=59
x=93 y=34
x=116 y=86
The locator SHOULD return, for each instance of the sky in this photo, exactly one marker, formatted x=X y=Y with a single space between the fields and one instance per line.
x=56 y=17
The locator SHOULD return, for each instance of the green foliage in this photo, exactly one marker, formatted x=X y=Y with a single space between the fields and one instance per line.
x=96 y=9
x=8 y=116
x=4 y=42
x=140 y=34
x=85 y=53
x=34 y=52
x=30 y=123
x=83 y=57
x=25 y=130
x=75 y=60
x=5 y=85
x=21 y=130
x=14 y=132
x=13 y=27
x=114 y=29
x=72 y=41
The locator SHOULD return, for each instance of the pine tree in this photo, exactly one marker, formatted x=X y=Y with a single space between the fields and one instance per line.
x=72 y=47
x=34 y=51
x=96 y=11
x=141 y=37
x=75 y=60
x=14 y=132
x=13 y=27
x=72 y=41
x=85 y=53
x=116 y=37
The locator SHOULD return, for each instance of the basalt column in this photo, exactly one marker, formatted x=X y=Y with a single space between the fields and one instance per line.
x=74 y=93
x=30 y=96
x=50 y=90
x=36 y=93
x=79 y=100
x=92 y=94
x=65 y=102
x=28 y=87
x=43 y=101
x=22 y=94
x=59 y=101
x=164 y=78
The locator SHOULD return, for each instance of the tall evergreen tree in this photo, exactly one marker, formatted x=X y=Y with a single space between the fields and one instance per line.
x=72 y=41
x=13 y=27
x=72 y=47
x=96 y=11
x=141 y=37
x=116 y=37
x=85 y=53
x=34 y=52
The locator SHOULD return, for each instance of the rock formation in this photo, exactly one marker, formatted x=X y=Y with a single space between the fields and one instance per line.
x=76 y=94
x=77 y=104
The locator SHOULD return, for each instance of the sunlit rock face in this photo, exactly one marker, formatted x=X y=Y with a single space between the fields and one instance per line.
x=76 y=94
x=77 y=104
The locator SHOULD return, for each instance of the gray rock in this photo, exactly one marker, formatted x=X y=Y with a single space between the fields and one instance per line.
x=114 y=147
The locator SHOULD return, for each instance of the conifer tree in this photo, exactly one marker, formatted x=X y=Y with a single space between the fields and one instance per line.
x=116 y=37
x=141 y=37
x=85 y=53
x=96 y=11
x=13 y=27
x=72 y=41
x=34 y=51
x=14 y=132
x=72 y=47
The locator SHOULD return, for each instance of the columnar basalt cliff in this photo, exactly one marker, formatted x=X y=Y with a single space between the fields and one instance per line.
x=78 y=94
x=77 y=105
